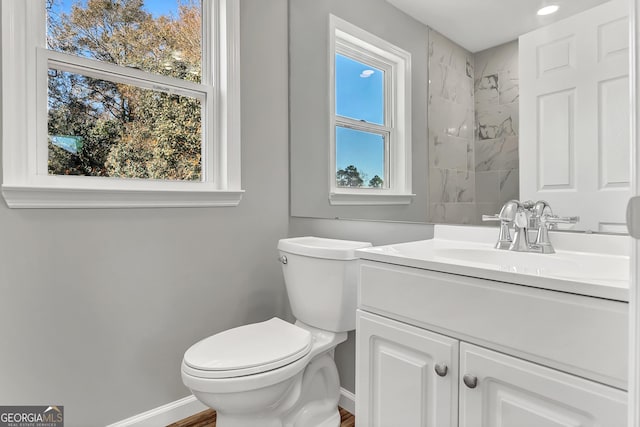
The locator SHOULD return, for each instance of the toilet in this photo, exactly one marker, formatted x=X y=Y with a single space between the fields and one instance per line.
x=278 y=374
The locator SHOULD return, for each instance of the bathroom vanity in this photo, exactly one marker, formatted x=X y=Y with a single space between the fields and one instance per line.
x=452 y=332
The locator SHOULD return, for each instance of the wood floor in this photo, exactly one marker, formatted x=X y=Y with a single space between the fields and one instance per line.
x=208 y=419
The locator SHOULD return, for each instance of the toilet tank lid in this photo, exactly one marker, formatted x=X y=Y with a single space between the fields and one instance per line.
x=319 y=247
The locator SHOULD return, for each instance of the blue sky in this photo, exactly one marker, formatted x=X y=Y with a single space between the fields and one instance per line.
x=155 y=7
x=359 y=96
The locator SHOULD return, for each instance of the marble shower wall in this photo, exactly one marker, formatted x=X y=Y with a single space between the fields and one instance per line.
x=451 y=132
x=473 y=126
x=496 y=120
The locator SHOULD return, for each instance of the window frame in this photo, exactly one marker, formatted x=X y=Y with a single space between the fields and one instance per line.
x=385 y=129
x=25 y=62
x=355 y=43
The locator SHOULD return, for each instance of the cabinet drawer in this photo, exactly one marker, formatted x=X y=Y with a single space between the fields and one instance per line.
x=582 y=335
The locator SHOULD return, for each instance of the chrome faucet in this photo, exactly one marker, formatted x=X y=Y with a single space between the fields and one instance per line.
x=542 y=215
x=506 y=217
x=523 y=217
x=521 y=229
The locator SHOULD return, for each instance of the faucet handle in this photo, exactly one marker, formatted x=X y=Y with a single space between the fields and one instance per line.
x=548 y=222
x=541 y=208
x=494 y=217
x=506 y=216
x=554 y=219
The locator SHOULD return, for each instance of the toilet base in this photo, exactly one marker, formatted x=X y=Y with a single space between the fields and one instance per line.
x=333 y=421
x=330 y=420
x=300 y=405
x=304 y=393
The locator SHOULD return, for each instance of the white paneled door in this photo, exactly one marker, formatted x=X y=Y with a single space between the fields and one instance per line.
x=575 y=109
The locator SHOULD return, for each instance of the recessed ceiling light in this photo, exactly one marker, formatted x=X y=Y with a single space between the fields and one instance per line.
x=548 y=10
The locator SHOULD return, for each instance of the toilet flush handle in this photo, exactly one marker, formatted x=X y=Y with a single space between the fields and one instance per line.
x=282 y=259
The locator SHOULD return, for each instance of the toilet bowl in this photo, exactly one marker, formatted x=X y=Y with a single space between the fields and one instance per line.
x=276 y=383
x=278 y=374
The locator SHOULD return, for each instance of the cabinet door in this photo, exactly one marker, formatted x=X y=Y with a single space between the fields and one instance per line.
x=396 y=379
x=511 y=392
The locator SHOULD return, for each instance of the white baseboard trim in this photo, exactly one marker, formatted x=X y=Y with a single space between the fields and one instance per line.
x=188 y=406
x=165 y=414
x=347 y=400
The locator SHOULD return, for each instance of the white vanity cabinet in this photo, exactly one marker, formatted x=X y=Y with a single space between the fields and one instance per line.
x=407 y=376
x=503 y=391
x=531 y=357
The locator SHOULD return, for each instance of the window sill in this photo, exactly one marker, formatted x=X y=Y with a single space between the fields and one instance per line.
x=56 y=197
x=363 y=199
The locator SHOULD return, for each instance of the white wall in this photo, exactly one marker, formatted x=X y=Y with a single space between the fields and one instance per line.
x=98 y=306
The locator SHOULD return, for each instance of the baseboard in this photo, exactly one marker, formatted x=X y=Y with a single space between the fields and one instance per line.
x=188 y=406
x=347 y=400
x=165 y=414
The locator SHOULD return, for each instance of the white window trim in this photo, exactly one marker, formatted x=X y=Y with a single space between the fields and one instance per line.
x=345 y=37
x=25 y=186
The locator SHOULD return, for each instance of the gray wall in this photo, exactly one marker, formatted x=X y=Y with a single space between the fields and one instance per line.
x=378 y=233
x=98 y=306
x=309 y=115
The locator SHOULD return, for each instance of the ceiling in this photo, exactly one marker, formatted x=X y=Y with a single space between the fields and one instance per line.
x=477 y=25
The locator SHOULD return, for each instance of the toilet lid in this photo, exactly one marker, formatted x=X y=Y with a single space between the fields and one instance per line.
x=249 y=349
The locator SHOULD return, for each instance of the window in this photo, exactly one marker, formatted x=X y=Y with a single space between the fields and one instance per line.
x=370 y=119
x=120 y=103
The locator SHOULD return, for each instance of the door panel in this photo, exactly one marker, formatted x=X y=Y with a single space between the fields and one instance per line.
x=575 y=116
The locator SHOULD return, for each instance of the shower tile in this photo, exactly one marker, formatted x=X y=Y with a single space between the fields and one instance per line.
x=448 y=152
x=442 y=185
x=444 y=51
x=487 y=91
x=509 y=158
x=470 y=155
x=466 y=187
x=497 y=121
x=488 y=155
x=488 y=187
x=509 y=185
x=508 y=87
x=497 y=59
x=437 y=213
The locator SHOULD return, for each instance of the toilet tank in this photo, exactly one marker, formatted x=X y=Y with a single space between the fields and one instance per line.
x=321 y=278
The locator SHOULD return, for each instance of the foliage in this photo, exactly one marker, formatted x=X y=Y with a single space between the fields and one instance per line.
x=127 y=131
x=376 y=182
x=349 y=177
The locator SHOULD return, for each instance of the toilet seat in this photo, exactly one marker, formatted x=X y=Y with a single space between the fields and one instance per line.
x=248 y=350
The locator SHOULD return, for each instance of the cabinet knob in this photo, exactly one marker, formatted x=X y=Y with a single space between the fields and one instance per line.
x=441 y=369
x=470 y=381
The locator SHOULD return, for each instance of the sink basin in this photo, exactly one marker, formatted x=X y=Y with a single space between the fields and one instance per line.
x=517 y=262
x=572 y=266
x=604 y=275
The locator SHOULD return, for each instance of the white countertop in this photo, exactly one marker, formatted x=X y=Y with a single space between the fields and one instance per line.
x=586 y=264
